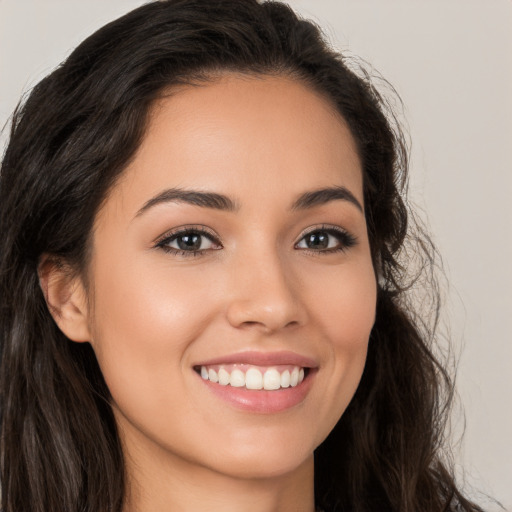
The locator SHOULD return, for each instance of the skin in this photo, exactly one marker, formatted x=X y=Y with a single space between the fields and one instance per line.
x=152 y=315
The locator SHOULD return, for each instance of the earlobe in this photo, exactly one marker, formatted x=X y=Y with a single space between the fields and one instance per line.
x=65 y=297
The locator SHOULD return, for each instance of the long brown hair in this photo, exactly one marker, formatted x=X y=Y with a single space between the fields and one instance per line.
x=70 y=141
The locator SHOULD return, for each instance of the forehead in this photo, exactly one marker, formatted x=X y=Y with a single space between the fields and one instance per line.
x=243 y=136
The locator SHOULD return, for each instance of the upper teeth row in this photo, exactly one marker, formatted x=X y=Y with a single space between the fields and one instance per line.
x=253 y=378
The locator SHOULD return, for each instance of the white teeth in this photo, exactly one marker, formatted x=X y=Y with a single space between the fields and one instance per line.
x=223 y=377
x=285 y=379
x=237 y=379
x=294 y=377
x=271 y=379
x=253 y=378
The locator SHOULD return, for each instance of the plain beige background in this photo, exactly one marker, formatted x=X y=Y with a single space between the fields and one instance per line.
x=450 y=61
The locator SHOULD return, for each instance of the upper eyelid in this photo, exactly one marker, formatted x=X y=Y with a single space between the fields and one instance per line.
x=324 y=227
x=175 y=232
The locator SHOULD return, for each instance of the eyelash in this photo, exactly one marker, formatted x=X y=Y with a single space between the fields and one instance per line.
x=163 y=242
x=345 y=240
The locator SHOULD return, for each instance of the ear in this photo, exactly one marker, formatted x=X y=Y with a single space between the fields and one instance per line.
x=66 y=298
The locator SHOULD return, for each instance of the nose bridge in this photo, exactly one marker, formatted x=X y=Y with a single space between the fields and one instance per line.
x=264 y=291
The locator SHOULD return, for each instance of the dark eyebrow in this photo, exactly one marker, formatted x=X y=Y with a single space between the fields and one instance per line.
x=325 y=195
x=216 y=201
x=196 y=198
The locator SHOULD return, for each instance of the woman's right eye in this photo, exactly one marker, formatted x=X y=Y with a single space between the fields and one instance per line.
x=188 y=242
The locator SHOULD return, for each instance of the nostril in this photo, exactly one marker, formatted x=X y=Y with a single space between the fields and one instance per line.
x=267 y=326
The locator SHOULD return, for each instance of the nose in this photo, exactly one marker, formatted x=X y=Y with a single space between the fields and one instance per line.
x=265 y=295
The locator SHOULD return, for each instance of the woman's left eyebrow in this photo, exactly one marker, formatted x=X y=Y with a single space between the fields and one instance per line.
x=325 y=195
x=217 y=201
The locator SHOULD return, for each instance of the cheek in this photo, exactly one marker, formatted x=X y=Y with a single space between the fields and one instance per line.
x=354 y=322
x=145 y=319
x=148 y=299
x=345 y=303
x=345 y=314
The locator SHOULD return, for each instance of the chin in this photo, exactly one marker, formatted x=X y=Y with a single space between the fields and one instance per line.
x=264 y=465
x=264 y=455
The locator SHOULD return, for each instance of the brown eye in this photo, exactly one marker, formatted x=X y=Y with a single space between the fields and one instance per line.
x=327 y=240
x=317 y=240
x=189 y=241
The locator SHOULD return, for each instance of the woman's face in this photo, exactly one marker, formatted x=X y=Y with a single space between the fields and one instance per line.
x=234 y=247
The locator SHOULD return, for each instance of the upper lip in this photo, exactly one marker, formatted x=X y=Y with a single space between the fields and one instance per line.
x=255 y=358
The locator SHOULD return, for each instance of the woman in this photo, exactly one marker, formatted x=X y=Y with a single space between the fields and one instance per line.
x=203 y=303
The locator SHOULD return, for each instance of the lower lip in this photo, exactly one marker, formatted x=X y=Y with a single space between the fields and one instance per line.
x=262 y=401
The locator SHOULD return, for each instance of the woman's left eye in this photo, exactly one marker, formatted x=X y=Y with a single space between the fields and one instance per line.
x=188 y=242
x=327 y=240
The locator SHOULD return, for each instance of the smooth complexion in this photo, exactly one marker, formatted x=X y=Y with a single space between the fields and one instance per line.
x=257 y=290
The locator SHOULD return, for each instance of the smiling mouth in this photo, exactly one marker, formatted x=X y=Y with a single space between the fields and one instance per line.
x=251 y=377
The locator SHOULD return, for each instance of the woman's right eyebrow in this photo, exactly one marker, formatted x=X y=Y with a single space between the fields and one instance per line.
x=193 y=197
